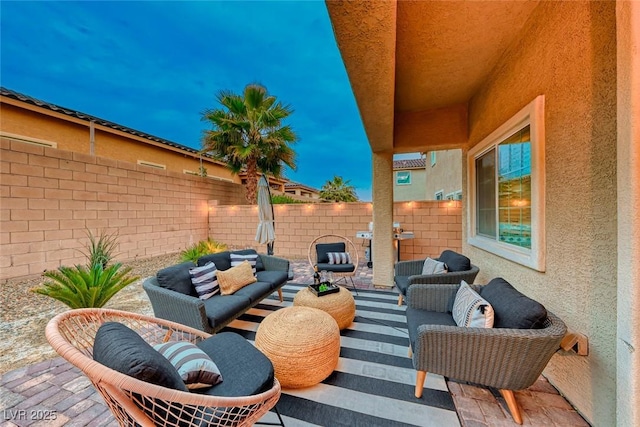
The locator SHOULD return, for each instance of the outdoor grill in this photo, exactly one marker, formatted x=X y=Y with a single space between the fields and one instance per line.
x=398 y=235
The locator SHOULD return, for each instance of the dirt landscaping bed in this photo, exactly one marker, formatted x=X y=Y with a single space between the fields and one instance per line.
x=25 y=314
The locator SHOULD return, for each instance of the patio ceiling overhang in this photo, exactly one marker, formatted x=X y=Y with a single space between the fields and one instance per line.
x=414 y=65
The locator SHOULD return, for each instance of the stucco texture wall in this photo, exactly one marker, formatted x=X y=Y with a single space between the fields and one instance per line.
x=413 y=191
x=446 y=174
x=566 y=51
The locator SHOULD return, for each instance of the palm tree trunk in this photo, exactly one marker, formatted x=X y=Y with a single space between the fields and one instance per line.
x=252 y=180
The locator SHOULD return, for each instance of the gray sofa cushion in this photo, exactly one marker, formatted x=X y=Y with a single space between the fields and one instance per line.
x=322 y=249
x=416 y=317
x=121 y=349
x=255 y=291
x=246 y=371
x=511 y=308
x=177 y=278
x=274 y=277
x=455 y=261
x=221 y=308
x=221 y=260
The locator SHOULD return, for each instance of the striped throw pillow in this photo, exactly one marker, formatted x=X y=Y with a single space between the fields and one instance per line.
x=470 y=309
x=236 y=259
x=196 y=369
x=205 y=280
x=339 y=257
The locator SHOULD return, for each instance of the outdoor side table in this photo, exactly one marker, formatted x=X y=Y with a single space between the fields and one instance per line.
x=340 y=305
x=303 y=344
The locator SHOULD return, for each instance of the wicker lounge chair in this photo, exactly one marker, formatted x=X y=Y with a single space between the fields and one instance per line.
x=318 y=256
x=135 y=402
x=504 y=358
x=408 y=273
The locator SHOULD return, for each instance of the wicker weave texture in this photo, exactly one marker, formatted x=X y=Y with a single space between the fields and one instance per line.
x=340 y=305
x=303 y=344
x=134 y=402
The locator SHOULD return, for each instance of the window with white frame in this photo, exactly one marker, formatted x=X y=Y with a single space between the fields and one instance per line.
x=439 y=195
x=456 y=195
x=506 y=189
x=433 y=158
x=403 y=177
x=151 y=164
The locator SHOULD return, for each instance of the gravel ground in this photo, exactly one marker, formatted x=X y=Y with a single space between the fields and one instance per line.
x=25 y=314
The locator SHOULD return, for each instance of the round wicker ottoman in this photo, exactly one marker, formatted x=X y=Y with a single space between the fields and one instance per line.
x=341 y=305
x=302 y=343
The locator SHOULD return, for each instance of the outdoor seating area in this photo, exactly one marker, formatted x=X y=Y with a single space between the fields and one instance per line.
x=359 y=372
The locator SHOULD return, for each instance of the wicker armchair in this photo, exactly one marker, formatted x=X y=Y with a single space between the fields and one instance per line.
x=407 y=273
x=507 y=359
x=72 y=335
x=319 y=248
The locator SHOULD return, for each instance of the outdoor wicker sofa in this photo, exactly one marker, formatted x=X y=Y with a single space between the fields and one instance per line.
x=459 y=267
x=173 y=296
x=503 y=357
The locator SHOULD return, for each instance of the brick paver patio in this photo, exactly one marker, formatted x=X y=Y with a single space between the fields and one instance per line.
x=54 y=393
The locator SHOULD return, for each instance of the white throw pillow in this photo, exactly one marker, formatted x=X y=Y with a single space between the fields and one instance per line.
x=431 y=266
x=205 y=280
x=470 y=309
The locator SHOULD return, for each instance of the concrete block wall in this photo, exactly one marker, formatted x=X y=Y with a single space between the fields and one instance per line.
x=437 y=225
x=50 y=197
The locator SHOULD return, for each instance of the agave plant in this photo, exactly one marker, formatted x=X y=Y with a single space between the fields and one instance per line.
x=100 y=249
x=203 y=247
x=85 y=286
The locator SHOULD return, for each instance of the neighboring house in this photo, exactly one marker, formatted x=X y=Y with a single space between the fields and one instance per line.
x=409 y=180
x=301 y=192
x=31 y=120
x=543 y=100
x=443 y=175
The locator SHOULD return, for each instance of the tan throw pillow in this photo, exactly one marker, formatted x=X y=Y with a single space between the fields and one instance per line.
x=235 y=278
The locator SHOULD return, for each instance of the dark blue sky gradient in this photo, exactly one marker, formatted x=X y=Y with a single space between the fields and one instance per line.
x=156 y=66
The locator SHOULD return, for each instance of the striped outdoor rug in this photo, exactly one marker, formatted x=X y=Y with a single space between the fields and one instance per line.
x=374 y=382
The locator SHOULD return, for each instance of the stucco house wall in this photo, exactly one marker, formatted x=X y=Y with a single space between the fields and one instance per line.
x=445 y=175
x=581 y=200
x=413 y=191
x=73 y=134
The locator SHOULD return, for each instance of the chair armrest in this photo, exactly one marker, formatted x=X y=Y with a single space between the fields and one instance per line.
x=453 y=277
x=177 y=307
x=408 y=268
x=271 y=263
x=510 y=359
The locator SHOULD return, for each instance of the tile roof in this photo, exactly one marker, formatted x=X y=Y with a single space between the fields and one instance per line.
x=409 y=164
x=89 y=118
x=292 y=184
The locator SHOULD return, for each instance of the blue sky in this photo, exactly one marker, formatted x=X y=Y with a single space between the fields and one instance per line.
x=155 y=66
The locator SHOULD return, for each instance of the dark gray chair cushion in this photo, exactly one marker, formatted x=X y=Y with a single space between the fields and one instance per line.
x=220 y=308
x=255 y=291
x=402 y=283
x=455 y=261
x=416 y=317
x=177 y=278
x=511 y=308
x=274 y=277
x=322 y=249
x=221 y=260
x=245 y=370
x=338 y=268
x=121 y=349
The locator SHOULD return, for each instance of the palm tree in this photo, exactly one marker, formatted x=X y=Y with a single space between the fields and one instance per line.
x=248 y=134
x=338 y=190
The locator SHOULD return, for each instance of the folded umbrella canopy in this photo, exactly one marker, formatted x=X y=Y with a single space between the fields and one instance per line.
x=266 y=230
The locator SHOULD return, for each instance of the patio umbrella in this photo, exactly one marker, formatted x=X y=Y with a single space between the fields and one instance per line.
x=266 y=229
